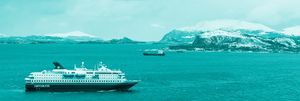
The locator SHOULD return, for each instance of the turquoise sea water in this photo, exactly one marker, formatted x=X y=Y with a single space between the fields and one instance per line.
x=198 y=76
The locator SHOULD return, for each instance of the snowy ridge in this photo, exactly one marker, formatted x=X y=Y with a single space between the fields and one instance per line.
x=71 y=34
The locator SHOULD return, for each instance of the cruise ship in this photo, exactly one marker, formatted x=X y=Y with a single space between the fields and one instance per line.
x=79 y=79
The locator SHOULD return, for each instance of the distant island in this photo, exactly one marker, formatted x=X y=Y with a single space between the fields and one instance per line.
x=64 y=38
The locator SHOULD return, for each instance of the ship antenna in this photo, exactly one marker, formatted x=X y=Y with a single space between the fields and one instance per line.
x=100 y=64
x=82 y=64
x=75 y=66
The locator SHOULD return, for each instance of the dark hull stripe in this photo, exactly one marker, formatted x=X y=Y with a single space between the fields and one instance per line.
x=78 y=86
x=147 y=54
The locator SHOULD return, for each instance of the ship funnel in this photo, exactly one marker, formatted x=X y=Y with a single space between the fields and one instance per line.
x=58 y=65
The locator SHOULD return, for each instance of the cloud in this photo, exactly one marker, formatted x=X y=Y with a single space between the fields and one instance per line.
x=110 y=17
x=275 y=12
x=155 y=25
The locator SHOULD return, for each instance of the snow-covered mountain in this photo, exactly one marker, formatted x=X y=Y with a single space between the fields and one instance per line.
x=230 y=35
x=75 y=35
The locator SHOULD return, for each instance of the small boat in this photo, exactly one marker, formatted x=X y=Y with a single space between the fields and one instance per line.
x=154 y=52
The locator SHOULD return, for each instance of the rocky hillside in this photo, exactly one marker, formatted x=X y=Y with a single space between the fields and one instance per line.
x=232 y=36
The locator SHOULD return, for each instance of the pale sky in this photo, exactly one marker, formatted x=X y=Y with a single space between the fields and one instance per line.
x=146 y=20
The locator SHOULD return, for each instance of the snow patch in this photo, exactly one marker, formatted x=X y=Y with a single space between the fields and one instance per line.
x=221 y=33
x=244 y=45
x=188 y=37
x=286 y=41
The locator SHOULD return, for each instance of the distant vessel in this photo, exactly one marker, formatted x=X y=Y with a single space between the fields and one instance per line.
x=154 y=52
x=79 y=79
